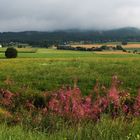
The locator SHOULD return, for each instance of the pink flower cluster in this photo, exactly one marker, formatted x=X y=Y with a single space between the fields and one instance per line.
x=137 y=105
x=69 y=102
x=6 y=97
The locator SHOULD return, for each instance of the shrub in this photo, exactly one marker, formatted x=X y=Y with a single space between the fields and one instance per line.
x=124 y=43
x=104 y=47
x=39 y=102
x=119 y=47
x=98 y=49
x=124 y=50
x=80 y=48
x=11 y=53
x=135 y=51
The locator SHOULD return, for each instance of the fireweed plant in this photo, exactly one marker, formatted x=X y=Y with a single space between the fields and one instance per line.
x=68 y=104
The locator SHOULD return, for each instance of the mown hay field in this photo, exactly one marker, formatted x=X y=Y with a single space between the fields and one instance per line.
x=128 y=46
x=137 y=46
x=49 y=69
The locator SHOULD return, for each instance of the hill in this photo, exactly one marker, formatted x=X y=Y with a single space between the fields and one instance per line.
x=127 y=34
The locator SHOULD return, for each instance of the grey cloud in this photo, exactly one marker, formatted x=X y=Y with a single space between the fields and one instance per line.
x=44 y=15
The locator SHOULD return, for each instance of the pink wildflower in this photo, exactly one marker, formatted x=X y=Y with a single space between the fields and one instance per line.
x=137 y=104
x=114 y=95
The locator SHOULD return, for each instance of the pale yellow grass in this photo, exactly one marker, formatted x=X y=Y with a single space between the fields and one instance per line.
x=87 y=46
x=132 y=46
x=92 y=45
x=110 y=45
x=111 y=52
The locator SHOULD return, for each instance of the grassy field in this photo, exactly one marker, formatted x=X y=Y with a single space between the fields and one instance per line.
x=49 y=69
x=105 y=130
x=21 y=50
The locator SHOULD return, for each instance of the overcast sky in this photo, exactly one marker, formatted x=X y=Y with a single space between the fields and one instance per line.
x=47 y=15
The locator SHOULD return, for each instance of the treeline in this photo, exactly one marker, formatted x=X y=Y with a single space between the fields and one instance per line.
x=78 y=48
x=59 y=37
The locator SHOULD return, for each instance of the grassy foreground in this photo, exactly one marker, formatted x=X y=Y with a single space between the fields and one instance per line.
x=47 y=70
x=106 y=129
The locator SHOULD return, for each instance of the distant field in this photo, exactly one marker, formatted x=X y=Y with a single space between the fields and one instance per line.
x=130 y=45
x=137 y=46
x=21 y=50
x=111 y=52
x=87 y=46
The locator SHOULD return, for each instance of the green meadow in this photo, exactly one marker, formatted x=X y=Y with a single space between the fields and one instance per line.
x=40 y=70
x=50 y=69
x=106 y=129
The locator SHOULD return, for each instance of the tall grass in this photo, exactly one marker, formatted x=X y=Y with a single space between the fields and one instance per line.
x=106 y=129
x=37 y=73
x=18 y=133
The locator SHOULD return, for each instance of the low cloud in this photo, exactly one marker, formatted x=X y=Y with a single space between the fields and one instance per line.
x=48 y=15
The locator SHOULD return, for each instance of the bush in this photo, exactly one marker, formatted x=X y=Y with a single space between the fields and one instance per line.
x=11 y=53
x=135 y=51
x=104 y=47
x=119 y=47
x=124 y=43
x=39 y=102
x=124 y=50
